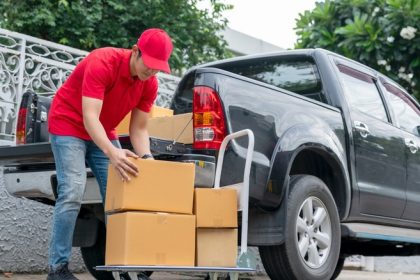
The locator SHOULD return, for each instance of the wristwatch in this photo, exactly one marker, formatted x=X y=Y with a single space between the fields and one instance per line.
x=146 y=156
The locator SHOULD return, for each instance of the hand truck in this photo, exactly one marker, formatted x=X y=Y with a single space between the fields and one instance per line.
x=246 y=261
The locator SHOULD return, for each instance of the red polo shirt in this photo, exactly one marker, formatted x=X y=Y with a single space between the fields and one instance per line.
x=105 y=75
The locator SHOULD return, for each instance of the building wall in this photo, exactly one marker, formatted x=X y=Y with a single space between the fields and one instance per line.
x=243 y=44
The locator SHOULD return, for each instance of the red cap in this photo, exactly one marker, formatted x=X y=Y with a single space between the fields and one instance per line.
x=156 y=48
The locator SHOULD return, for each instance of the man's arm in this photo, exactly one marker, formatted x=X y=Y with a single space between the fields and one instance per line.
x=139 y=135
x=118 y=157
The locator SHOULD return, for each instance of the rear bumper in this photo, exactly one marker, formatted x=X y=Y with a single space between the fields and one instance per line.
x=205 y=168
x=41 y=184
x=29 y=184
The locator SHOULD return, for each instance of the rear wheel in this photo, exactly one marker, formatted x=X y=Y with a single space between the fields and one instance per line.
x=312 y=238
x=95 y=256
x=339 y=267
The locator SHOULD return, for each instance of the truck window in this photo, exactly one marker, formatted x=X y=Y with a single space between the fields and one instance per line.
x=361 y=92
x=297 y=74
x=407 y=112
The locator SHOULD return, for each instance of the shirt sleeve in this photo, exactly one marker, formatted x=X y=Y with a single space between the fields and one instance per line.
x=97 y=77
x=149 y=95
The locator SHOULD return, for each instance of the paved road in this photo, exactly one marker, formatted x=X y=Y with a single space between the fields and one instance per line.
x=345 y=275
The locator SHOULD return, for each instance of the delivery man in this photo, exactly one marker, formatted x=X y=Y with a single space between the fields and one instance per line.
x=102 y=89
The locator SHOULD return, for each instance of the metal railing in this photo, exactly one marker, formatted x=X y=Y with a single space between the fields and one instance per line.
x=29 y=63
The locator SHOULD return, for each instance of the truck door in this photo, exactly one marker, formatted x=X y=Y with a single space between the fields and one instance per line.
x=407 y=115
x=378 y=146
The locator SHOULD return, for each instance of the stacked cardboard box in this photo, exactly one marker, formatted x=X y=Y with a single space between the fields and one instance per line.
x=150 y=219
x=164 y=125
x=157 y=218
x=217 y=233
x=177 y=127
x=156 y=112
x=161 y=186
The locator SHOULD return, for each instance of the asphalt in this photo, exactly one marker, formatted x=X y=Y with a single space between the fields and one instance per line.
x=345 y=275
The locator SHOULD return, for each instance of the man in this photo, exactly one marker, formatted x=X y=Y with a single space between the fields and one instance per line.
x=102 y=89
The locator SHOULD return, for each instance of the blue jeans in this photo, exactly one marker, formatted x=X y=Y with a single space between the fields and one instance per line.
x=71 y=155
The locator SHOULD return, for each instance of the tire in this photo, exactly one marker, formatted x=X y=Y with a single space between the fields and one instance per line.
x=95 y=255
x=338 y=268
x=312 y=221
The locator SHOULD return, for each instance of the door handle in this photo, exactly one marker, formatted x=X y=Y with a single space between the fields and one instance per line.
x=362 y=128
x=409 y=143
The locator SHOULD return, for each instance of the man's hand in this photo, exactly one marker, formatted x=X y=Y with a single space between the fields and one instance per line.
x=119 y=159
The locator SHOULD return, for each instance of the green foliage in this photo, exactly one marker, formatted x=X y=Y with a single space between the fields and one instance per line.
x=384 y=34
x=89 y=24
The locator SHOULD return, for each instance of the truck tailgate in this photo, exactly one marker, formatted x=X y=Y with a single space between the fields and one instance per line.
x=34 y=153
x=26 y=154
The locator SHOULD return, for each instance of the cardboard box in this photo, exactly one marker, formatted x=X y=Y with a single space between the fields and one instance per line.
x=162 y=128
x=178 y=127
x=124 y=126
x=217 y=247
x=161 y=186
x=216 y=208
x=139 y=238
x=156 y=112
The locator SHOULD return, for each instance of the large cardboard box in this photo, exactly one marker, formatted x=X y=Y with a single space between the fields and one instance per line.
x=177 y=127
x=124 y=126
x=139 y=238
x=216 y=208
x=156 y=112
x=162 y=128
x=160 y=186
x=217 y=247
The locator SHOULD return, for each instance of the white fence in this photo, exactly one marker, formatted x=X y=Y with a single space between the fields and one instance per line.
x=29 y=63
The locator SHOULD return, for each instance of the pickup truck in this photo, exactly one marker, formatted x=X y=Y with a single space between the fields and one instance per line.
x=335 y=169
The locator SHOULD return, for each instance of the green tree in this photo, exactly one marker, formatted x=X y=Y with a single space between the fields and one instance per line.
x=89 y=24
x=384 y=34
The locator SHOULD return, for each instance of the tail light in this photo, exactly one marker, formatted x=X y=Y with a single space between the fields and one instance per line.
x=209 y=120
x=21 y=127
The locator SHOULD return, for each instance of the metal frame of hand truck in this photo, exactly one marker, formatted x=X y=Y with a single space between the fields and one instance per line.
x=246 y=261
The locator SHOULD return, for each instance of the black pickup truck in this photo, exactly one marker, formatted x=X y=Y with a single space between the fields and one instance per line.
x=335 y=169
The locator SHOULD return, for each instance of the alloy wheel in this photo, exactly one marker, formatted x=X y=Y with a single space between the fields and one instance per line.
x=313 y=232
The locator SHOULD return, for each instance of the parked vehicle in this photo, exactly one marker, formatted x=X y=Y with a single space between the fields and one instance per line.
x=334 y=172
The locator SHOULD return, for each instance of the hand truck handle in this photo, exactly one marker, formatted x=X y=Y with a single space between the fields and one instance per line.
x=244 y=191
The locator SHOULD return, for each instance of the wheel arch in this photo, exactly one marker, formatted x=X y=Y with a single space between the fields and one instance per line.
x=311 y=159
x=266 y=225
x=326 y=166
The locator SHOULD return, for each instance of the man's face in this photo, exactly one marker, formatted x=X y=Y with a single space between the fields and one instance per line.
x=142 y=71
